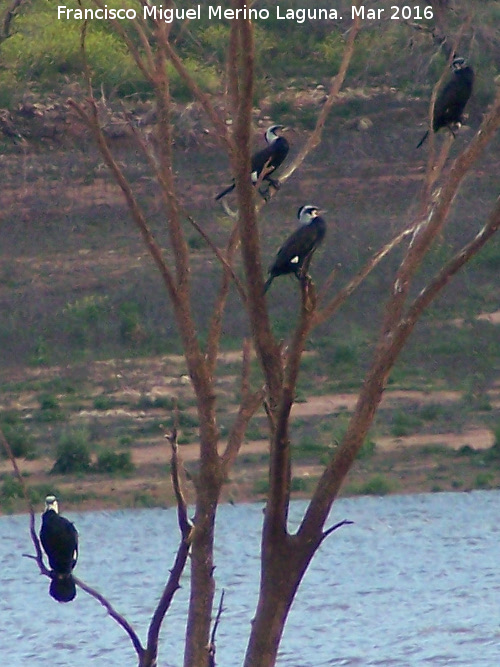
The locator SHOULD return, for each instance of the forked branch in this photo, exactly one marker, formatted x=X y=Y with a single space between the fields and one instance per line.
x=186 y=529
x=121 y=620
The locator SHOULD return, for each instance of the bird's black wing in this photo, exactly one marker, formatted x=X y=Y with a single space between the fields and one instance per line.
x=59 y=539
x=451 y=102
x=272 y=155
x=292 y=253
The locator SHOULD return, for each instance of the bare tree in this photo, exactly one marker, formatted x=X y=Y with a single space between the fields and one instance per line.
x=285 y=556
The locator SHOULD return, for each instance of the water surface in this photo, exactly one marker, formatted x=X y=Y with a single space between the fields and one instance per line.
x=415 y=581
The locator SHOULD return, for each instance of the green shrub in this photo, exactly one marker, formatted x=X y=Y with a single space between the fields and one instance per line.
x=109 y=461
x=20 y=441
x=376 y=486
x=484 y=480
x=367 y=449
x=131 y=328
x=48 y=402
x=404 y=423
x=11 y=488
x=261 y=486
x=103 y=402
x=73 y=452
x=431 y=411
x=38 y=492
x=301 y=484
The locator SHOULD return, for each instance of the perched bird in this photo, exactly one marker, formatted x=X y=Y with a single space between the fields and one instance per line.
x=295 y=254
x=59 y=538
x=451 y=100
x=269 y=158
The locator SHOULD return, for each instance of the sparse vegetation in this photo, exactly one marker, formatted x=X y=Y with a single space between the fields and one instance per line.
x=111 y=462
x=73 y=453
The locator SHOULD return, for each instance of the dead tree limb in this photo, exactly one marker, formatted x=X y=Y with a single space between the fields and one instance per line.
x=151 y=652
x=335 y=86
x=212 y=648
x=121 y=620
x=10 y=14
x=34 y=537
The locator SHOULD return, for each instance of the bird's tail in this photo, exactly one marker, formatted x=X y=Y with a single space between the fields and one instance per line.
x=62 y=587
x=423 y=139
x=267 y=284
x=225 y=192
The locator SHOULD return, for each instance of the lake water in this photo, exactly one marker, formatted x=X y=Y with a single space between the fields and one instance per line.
x=415 y=581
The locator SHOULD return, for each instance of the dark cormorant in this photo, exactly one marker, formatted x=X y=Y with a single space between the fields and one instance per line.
x=299 y=247
x=59 y=538
x=451 y=100
x=269 y=158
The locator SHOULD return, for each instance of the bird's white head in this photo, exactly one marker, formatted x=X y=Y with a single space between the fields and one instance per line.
x=307 y=213
x=458 y=63
x=51 y=504
x=272 y=133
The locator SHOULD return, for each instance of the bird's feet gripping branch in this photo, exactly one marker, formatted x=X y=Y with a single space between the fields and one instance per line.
x=452 y=99
x=265 y=162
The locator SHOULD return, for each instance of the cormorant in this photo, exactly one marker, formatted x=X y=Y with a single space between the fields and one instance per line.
x=269 y=158
x=299 y=247
x=451 y=100
x=59 y=538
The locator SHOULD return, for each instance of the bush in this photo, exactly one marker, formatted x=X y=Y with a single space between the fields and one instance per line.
x=367 y=449
x=48 y=402
x=404 y=423
x=109 y=461
x=376 y=486
x=20 y=441
x=103 y=402
x=11 y=488
x=73 y=453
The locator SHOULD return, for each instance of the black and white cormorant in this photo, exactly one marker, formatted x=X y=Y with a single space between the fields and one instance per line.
x=59 y=538
x=299 y=247
x=269 y=158
x=451 y=100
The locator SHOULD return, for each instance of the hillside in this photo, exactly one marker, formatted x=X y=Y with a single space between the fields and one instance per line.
x=90 y=355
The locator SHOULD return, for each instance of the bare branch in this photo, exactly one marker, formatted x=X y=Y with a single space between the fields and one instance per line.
x=279 y=465
x=266 y=346
x=185 y=524
x=121 y=620
x=29 y=504
x=203 y=99
x=226 y=265
x=428 y=294
x=45 y=571
x=335 y=86
x=437 y=213
x=397 y=328
x=91 y=120
x=215 y=326
x=249 y=404
x=335 y=303
x=212 y=648
x=186 y=528
x=146 y=68
x=8 y=18
x=329 y=531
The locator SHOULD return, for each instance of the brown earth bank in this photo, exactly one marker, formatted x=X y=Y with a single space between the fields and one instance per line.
x=423 y=462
